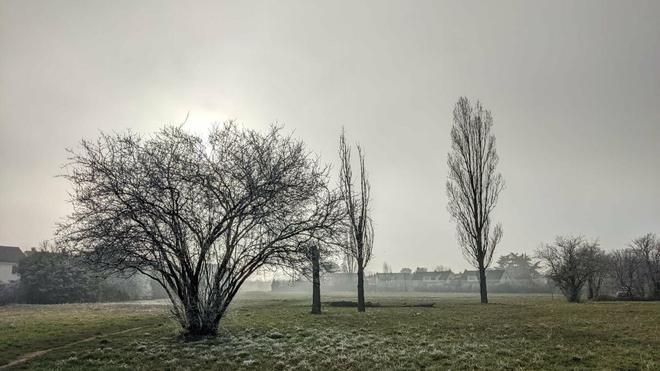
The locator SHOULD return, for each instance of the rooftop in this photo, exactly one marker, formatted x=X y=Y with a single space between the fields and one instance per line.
x=11 y=254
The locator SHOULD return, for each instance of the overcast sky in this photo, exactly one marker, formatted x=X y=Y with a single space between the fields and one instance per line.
x=574 y=89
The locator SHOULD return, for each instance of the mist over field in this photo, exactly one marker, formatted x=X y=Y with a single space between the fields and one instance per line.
x=573 y=88
x=373 y=185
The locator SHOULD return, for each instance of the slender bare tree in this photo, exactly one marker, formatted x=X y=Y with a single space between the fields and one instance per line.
x=348 y=264
x=473 y=186
x=599 y=269
x=361 y=233
x=198 y=216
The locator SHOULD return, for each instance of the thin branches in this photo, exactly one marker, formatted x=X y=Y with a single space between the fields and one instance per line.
x=473 y=185
x=198 y=216
x=360 y=225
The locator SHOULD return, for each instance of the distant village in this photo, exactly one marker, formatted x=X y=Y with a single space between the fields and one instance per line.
x=514 y=273
x=498 y=280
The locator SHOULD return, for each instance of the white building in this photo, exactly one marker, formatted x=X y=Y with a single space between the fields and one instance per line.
x=9 y=258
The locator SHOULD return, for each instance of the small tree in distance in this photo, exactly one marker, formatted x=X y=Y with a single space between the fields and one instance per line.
x=599 y=269
x=519 y=266
x=474 y=185
x=317 y=255
x=626 y=265
x=647 y=249
x=314 y=260
x=568 y=265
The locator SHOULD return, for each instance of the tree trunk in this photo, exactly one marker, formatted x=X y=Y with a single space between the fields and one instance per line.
x=196 y=321
x=482 y=285
x=201 y=329
x=594 y=288
x=572 y=291
x=590 y=289
x=198 y=325
x=316 y=281
x=360 y=288
x=654 y=289
x=575 y=295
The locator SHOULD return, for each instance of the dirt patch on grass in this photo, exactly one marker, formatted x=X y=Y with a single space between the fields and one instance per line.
x=26 y=357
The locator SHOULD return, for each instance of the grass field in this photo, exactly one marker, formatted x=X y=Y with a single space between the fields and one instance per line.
x=264 y=331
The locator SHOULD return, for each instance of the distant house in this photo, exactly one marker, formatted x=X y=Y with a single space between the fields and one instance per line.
x=493 y=276
x=388 y=277
x=9 y=258
x=393 y=281
x=340 y=281
x=432 y=281
x=432 y=277
x=420 y=280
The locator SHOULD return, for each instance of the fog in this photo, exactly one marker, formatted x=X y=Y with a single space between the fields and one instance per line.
x=574 y=89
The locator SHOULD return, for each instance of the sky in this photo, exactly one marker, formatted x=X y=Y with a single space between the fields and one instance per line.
x=573 y=87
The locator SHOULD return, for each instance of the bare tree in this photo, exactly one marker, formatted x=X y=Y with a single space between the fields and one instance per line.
x=599 y=269
x=348 y=261
x=567 y=263
x=519 y=266
x=647 y=249
x=626 y=265
x=317 y=256
x=314 y=255
x=473 y=186
x=441 y=268
x=197 y=216
x=360 y=225
x=314 y=259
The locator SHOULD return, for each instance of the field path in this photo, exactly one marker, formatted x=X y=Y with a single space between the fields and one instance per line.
x=26 y=357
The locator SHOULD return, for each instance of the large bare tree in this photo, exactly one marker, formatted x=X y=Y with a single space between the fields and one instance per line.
x=199 y=216
x=357 y=200
x=473 y=186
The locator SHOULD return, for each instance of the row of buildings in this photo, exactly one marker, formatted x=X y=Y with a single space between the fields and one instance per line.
x=504 y=280
x=443 y=281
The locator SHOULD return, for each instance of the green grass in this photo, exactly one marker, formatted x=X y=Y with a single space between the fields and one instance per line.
x=29 y=328
x=263 y=331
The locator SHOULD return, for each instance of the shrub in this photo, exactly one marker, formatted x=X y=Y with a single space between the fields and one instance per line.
x=8 y=293
x=54 y=278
